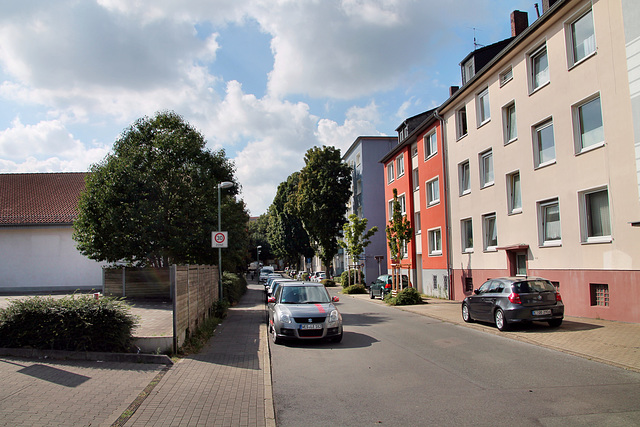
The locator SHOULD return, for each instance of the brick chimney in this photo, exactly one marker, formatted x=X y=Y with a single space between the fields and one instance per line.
x=546 y=5
x=453 y=89
x=519 y=22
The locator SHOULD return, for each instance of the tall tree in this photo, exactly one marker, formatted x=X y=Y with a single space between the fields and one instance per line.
x=323 y=192
x=355 y=239
x=258 y=236
x=399 y=232
x=153 y=200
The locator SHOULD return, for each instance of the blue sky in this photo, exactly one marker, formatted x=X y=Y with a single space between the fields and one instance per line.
x=264 y=79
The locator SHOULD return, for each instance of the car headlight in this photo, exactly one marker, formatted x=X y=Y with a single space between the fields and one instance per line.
x=285 y=318
x=334 y=317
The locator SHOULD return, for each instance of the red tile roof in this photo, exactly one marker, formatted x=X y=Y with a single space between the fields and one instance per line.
x=40 y=198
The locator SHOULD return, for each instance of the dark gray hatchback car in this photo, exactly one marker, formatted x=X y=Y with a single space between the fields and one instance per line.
x=508 y=300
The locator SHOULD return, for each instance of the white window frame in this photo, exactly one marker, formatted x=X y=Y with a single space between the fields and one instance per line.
x=545 y=77
x=486 y=181
x=468 y=70
x=589 y=42
x=400 y=165
x=414 y=149
x=430 y=142
x=585 y=217
x=402 y=199
x=483 y=108
x=543 y=207
x=390 y=172
x=416 y=179
x=465 y=236
x=462 y=175
x=506 y=76
x=390 y=210
x=509 y=111
x=578 y=135
x=417 y=226
x=485 y=230
x=434 y=249
x=460 y=132
x=513 y=209
x=536 y=132
x=433 y=191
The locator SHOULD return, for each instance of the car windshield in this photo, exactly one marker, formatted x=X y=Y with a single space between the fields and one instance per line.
x=534 y=286
x=304 y=295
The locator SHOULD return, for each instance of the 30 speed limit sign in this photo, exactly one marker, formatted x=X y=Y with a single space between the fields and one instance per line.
x=219 y=239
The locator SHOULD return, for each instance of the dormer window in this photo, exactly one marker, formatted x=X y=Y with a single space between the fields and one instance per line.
x=468 y=71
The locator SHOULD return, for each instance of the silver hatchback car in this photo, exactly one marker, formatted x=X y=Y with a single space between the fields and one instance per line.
x=303 y=310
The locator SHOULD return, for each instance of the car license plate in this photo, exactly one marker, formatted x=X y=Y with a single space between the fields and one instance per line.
x=541 y=312
x=311 y=326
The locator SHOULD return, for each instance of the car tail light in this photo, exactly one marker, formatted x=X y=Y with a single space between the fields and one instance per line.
x=558 y=297
x=387 y=286
x=514 y=298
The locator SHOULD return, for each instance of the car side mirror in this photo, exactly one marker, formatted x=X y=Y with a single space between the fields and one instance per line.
x=271 y=300
x=476 y=291
x=335 y=299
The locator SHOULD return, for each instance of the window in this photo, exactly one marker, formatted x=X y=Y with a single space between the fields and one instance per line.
x=582 y=38
x=588 y=129
x=403 y=204
x=416 y=179
x=416 y=223
x=461 y=122
x=521 y=264
x=435 y=242
x=466 y=230
x=514 y=196
x=358 y=186
x=433 y=192
x=599 y=294
x=490 y=232
x=506 y=76
x=544 y=144
x=468 y=284
x=595 y=220
x=435 y=282
x=414 y=150
x=509 y=123
x=486 y=168
x=549 y=223
x=390 y=174
x=464 y=178
x=390 y=205
x=482 y=107
x=468 y=71
x=358 y=159
x=400 y=165
x=430 y=145
x=538 y=68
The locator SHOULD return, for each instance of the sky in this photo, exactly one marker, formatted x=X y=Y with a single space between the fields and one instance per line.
x=265 y=80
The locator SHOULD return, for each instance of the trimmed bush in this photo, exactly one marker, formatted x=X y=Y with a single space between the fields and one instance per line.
x=328 y=283
x=233 y=287
x=75 y=323
x=408 y=296
x=344 y=278
x=358 y=288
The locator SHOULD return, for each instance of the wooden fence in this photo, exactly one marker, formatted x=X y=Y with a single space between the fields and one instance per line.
x=193 y=289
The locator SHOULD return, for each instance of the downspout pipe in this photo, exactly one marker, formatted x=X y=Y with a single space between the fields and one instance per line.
x=447 y=200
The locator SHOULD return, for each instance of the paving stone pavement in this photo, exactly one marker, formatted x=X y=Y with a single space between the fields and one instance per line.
x=227 y=384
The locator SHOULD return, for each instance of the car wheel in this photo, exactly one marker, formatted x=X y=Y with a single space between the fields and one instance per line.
x=554 y=323
x=465 y=314
x=337 y=338
x=501 y=322
x=274 y=336
x=371 y=294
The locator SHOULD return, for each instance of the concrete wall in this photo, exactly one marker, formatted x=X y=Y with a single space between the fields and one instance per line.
x=44 y=259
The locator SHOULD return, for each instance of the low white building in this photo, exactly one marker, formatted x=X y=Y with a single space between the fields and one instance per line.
x=38 y=253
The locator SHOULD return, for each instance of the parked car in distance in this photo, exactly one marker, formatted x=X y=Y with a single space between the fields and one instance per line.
x=264 y=273
x=383 y=285
x=303 y=310
x=320 y=276
x=273 y=286
x=508 y=300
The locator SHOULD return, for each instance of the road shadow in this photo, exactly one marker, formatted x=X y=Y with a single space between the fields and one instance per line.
x=349 y=340
x=543 y=327
x=364 y=319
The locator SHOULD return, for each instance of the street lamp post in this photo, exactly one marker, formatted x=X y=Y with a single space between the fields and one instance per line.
x=224 y=184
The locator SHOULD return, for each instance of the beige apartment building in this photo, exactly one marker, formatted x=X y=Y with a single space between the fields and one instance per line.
x=542 y=159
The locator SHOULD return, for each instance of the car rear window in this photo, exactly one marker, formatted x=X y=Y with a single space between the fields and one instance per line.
x=534 y=286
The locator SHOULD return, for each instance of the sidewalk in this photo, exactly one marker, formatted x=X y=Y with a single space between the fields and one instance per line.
x=227 y=384
x=613 y=343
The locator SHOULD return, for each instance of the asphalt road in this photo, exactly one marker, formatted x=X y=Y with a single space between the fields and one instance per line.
x=397 y=368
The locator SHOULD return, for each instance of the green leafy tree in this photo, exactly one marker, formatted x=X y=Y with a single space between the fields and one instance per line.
x=287 y=236
x=153 y=200
x=355 y=239
x=399 y=231
x=323 y=192
x=258 y=236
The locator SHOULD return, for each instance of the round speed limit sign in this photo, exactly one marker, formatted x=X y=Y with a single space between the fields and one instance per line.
x=219 y=239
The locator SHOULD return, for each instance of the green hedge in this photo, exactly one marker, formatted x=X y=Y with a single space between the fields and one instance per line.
x=408 y=296
x=233 y=287
x=329 y=283
x=344 y=278
x=358 y=288
x=74 y=323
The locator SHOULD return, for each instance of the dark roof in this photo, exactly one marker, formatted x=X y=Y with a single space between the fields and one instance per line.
x=40 y=198
x=485 y=54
